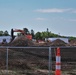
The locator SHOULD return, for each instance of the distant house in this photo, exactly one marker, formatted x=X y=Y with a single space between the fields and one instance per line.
x=7 y=38
x=66 y=40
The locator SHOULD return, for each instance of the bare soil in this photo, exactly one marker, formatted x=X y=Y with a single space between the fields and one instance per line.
x=34 y=61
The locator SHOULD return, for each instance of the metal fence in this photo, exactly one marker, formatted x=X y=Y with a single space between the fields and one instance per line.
x=68 y=60
x=36 y=60
x=25 y=61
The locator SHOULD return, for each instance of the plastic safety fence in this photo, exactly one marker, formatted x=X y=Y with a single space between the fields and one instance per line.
x=68 y=60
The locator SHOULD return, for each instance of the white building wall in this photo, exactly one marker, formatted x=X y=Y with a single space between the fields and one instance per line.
x=8 y=38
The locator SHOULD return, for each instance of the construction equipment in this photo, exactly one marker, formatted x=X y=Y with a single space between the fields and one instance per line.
x=25 y=34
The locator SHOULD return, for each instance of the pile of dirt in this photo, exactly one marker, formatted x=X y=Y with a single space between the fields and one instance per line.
x=72 y=42
x=42 y=44
x=58 y=42
x=21 y=41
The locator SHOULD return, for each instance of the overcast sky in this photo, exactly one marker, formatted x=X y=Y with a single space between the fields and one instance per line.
x=59 y=16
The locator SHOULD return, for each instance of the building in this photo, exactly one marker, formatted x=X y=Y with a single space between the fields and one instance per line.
x=7 y=38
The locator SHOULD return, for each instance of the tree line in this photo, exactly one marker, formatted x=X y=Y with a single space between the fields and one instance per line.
x=4 y=33
x=38 y=35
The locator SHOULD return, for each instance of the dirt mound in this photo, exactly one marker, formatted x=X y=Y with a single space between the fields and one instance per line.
x=21 y=41
x=58 y=42
x=73 y=42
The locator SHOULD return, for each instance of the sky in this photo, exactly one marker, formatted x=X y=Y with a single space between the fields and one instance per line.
x=59 y=16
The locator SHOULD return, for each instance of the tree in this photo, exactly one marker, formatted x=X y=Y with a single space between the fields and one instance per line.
x=26 y=30
x=38 y=36
x=72 y=38
x=43 y=35
x=6 y=33
x=1 y=33
x=19 y=34
x=32 y=33
x=47 y=32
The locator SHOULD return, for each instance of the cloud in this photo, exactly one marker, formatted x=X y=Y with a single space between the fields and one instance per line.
x=53 y=10
x=73 y=20
x=73 y=11
x=41 y=19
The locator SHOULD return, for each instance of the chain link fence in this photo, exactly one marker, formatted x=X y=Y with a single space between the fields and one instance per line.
x=68 y=60
x=25 y=60
x=36 y=60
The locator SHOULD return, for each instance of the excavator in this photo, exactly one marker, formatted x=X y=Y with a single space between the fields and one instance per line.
x=25 y=34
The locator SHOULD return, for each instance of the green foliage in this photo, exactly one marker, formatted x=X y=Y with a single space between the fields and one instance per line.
x=26 y=31
x=5 y=33
x=19 y=34
x=72 y=38
x=45 y=34
x=38 y=36
x=32 y=33
x=1 y=33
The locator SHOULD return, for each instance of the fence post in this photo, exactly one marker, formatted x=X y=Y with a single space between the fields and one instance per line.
x=50 y=62
x=58 y=62
x=7 y=61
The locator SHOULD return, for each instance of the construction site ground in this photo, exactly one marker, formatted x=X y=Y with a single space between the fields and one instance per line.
x=34 y=61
